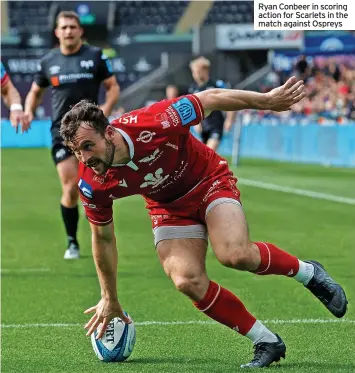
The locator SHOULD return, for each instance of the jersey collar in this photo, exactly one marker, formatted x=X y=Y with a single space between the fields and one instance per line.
x=129 y=141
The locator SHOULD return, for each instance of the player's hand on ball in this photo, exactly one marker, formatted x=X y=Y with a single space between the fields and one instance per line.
x=282 y=98
x=105 y=311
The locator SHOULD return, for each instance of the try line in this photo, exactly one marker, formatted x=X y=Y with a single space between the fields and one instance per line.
x=191 y=322
x=300 y=192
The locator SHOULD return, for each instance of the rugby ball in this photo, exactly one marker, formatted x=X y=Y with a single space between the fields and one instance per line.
x=117 y=343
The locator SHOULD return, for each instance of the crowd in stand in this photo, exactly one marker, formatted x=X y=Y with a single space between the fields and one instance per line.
x=330 y=87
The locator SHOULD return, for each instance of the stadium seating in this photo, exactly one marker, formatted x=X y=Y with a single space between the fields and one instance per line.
x=231 y=12
x=149 y=13
x=29 y=16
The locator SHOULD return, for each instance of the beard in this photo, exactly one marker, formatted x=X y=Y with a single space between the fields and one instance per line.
x=100 y=166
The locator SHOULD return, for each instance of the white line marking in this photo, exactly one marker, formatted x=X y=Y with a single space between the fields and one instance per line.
x=300 y=192
x=191 y=322
x=23 y=270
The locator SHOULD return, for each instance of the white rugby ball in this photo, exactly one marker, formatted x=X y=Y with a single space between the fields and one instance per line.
x=117 y=343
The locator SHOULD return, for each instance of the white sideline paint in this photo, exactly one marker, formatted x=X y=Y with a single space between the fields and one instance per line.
x=191 y=322
x=300 y=192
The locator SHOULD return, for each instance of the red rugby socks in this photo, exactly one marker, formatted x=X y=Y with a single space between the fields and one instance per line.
x=275 y=261
x=223 y=306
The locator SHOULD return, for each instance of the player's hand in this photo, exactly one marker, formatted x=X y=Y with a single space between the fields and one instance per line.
x=282 y=98
x=16 y=117
x=105 y=311
x=26 y=121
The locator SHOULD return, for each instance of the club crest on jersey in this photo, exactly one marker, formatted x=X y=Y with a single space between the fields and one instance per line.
x=87 y=64
x=146 y=136
x=185 y=110
x=154 y=180
x=85 y=188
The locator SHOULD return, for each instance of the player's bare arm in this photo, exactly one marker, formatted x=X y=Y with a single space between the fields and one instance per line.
x=33 y=99
x=105 y=258
x=12 y=100
x=10 y=94
x=279 y=99
x=112 y=93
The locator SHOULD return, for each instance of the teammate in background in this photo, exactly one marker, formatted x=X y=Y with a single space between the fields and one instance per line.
x=212 y=128
x=189 y=191
x=75 y=72
x=171 y=91
x=12 y=99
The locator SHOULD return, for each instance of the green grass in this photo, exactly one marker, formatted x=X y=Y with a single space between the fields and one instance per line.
x=33 y=238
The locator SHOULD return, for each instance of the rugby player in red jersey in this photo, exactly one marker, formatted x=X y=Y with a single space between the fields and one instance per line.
x=190 y=193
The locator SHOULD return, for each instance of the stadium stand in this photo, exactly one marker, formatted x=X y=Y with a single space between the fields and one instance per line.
x=231 y=12
x=29 y=16
x=149 y=13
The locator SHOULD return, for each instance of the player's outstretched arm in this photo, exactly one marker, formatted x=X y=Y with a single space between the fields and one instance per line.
x=279 y=99
x=105 y=258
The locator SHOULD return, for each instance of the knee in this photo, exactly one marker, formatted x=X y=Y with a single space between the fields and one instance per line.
x=237 y=256
x=191 y=285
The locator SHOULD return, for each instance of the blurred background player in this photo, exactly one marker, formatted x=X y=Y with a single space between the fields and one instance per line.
x=12 y=99
x=171 y=91
x=211 y=129
x=74 y=71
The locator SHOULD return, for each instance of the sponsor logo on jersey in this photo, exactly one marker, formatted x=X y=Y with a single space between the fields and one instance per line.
x=60 y=154
x=156 y=218
x=128 y=119
x=154 y=180
x=211 y=190
x=89 y=205
x=85 y=188
x=185 y=110
x=70 y=78
x=87 y=64
x=173 y=116
x=163 y=119
x=152 y=158
x=99 y=179
x=172 y=146
x=146 y=136
x=54 y=69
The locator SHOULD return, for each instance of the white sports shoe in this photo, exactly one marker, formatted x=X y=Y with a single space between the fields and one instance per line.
x=72 y=252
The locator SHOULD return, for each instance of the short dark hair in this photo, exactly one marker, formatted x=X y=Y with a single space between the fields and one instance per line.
x=83 y=112
x=68 y=14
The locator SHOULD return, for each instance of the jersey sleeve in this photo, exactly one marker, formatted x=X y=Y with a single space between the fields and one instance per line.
x=98 y=210
x=179 y=113
x=40 y=77
x=4 y=75
x=104 y=70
